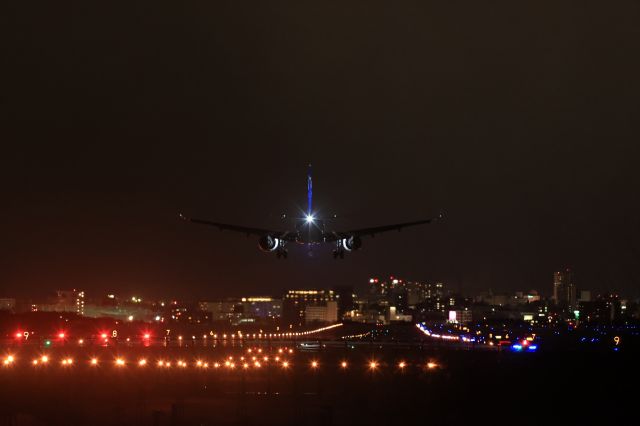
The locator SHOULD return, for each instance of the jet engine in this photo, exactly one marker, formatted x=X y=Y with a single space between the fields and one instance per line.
x=269 y=243
x=351 y=243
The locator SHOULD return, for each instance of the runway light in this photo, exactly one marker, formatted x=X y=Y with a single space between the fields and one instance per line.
x=44 y=359
x=343 y=364
x=285 y=364
x=81 y=341
x=314 y=364
x=142 y=362
x=245 y=365
x=94 y=361
x=216 y=365
x=431 y=365
x=119 y=362
x=103 y=335
x=147 y=336
x=18 y=335
x=9 y=360
x=373 y=365
x=160 y=363
x=402 y=364
x=61 y=335
x=309 y=218
x=199 y=363
x=257 y=364
x=35 y=362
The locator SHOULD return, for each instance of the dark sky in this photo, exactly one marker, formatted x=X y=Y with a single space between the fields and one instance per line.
x=521 y=121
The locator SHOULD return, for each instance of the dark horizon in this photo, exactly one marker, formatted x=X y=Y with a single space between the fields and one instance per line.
x=519 y=122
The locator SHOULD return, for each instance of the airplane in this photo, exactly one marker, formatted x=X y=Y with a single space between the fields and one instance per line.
x=310 y=230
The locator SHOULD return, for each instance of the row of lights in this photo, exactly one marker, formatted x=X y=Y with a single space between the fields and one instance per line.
x=147 y=336
x=229 y=363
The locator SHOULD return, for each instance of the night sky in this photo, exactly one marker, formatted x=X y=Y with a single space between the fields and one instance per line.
x=520 y=122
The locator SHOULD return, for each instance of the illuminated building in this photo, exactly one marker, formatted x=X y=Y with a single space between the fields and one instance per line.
x=65 y=301
x=564 y=290
x=262 y=307
x=460 y=316
x=327 y=312
x=7 y=304
x=295 y=303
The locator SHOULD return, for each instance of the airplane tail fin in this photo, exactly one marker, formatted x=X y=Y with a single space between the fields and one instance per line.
x=309 y=192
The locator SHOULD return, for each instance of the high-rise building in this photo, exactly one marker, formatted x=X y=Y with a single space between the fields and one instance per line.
x=564 y=289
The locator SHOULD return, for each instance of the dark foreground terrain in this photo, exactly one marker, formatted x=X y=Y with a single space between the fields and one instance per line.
x=466 y=387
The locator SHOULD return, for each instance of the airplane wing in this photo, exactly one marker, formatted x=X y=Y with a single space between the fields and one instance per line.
x=285 y=235
x=363 y=232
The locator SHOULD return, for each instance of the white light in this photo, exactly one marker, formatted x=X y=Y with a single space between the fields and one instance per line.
x=309 y=218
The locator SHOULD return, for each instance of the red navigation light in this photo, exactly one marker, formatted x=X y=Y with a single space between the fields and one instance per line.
x=19 y=335
x=525 y=343
x=104 y=335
